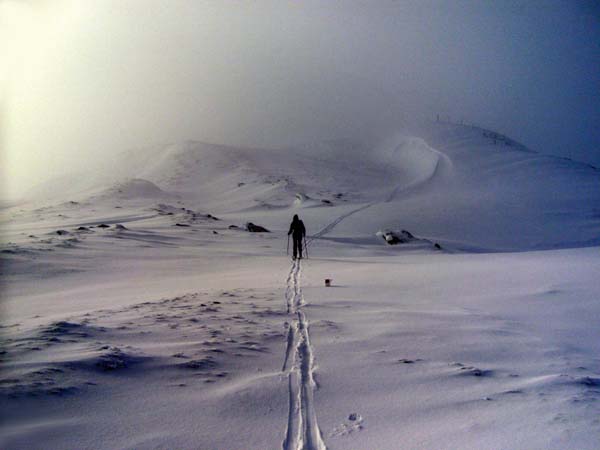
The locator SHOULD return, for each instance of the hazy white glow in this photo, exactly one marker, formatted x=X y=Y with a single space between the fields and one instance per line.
x=87 y=79
x=35 y=36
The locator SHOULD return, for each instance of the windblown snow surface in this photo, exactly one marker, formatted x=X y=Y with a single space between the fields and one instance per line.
x=137 y=311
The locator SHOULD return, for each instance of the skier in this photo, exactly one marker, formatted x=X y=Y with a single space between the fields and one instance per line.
x=298 y=232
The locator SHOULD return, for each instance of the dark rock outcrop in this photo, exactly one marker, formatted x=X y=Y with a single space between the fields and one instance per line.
x=256 y=228
x=393 y=237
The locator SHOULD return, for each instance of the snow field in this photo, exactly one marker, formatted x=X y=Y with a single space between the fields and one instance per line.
x=138 y=313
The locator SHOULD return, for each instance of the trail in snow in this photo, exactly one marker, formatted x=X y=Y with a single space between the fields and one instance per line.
x=333 y=224
x=303 y=431
x=442 y=161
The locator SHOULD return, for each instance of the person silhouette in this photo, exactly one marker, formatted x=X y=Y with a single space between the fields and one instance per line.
x=298 y=232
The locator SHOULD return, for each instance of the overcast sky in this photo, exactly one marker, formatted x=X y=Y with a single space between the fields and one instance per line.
x=81 y=80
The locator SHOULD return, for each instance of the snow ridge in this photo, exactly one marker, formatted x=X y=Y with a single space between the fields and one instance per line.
x=413 y=155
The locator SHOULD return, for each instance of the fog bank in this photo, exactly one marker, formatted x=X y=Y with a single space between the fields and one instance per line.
x=88 y=79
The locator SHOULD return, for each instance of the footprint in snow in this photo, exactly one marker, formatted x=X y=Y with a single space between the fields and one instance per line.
x=352 y=424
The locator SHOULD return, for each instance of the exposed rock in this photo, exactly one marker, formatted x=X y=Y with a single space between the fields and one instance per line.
x=256 y=228
x=393 y=238
x=200 y=364
x=113 y=360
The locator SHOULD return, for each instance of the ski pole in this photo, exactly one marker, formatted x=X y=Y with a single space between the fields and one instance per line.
x=287 y=251
x=305 y=247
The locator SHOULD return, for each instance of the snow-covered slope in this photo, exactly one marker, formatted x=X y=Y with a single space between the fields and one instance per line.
x=137 y=312
x=462 y=186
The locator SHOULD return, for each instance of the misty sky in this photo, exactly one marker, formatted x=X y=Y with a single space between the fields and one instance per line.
x=82 y=80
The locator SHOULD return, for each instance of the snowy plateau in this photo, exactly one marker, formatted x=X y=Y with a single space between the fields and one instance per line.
x=139 y=312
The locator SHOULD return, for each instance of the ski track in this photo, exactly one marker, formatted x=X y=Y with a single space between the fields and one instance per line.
x=333 y=224
x=303 y=431
x=443 y=163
